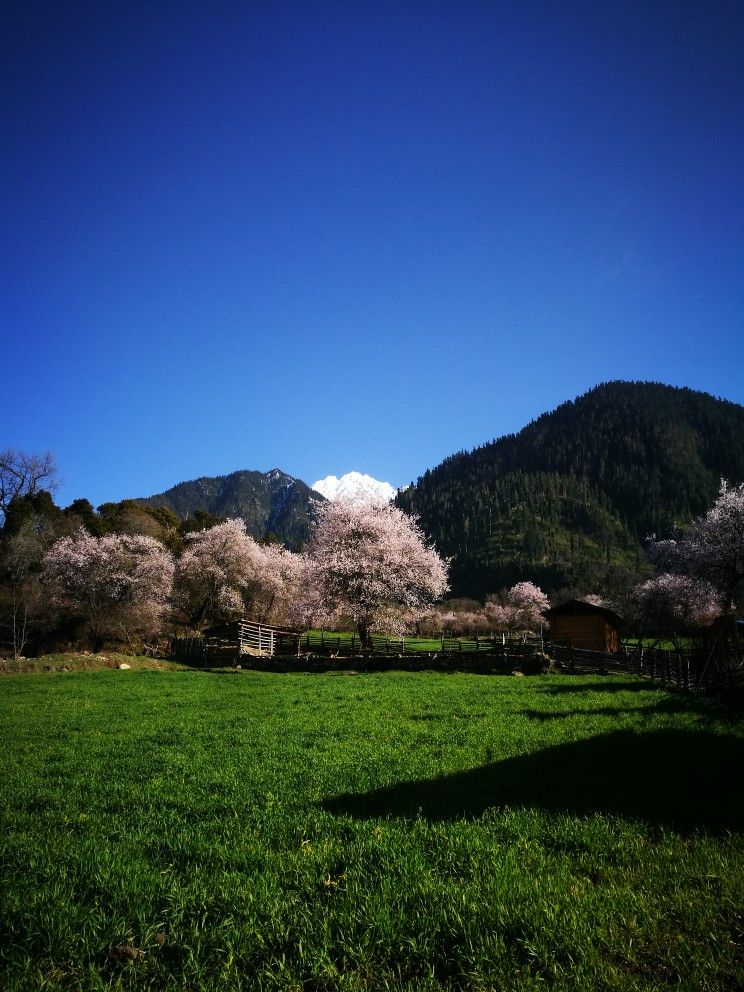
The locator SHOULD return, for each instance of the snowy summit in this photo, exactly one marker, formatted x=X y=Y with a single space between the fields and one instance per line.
x=355 y=487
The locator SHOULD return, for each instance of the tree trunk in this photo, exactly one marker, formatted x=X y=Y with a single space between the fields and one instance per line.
x=364 y=635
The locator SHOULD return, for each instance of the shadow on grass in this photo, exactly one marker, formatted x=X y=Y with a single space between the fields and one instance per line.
x=685 y=781
x=674 y=704
x=606 y=683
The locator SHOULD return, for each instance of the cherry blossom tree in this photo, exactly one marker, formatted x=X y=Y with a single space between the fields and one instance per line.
x=473 y=621
x=671 y=605
x=715 y=545
x=450 y=621
x=224 y=572
x=713 y=548
x=372 y=563
x=282 y=579
x=519 y=609
x=427 y=623
x=118 y=584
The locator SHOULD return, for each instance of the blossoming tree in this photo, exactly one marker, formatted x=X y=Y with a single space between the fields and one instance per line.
x=119 y=583
x=372 y=563
x=224 y=572
x=519 y=609
x=713 y=548
x=671 y=605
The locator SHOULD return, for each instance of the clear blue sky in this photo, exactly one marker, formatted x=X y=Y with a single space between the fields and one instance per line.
x=344 y=236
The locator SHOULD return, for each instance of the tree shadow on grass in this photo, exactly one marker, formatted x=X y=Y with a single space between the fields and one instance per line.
x=685 y=781
x=674 y=704
x=605 y=683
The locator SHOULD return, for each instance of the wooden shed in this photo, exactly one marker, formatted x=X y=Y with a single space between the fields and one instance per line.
x=579 y=624
x=227 y=642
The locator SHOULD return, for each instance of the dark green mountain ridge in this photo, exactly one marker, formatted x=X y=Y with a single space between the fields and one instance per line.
x=569 y=499
x=271 y=503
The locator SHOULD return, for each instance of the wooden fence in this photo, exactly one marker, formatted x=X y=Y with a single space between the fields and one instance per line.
x=187 y=648
x=716 y=673
x=228 y=643
x=320 y=642
x=714 y=670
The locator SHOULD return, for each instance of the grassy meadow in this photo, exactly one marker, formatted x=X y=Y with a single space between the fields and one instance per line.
x=192 y=830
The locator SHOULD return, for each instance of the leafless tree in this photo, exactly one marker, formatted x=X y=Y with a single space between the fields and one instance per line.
x=24 y=475
x=20 y=598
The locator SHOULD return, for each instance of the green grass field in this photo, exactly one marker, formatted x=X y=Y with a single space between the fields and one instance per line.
x=193 y=830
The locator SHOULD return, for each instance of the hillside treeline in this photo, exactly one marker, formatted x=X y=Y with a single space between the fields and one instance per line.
x=33 y=524
x=570 y=500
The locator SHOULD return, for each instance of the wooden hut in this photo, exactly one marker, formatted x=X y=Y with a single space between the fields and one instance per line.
x=579 y=624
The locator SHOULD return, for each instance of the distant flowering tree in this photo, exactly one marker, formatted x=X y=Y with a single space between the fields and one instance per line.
x=118 y=584
x=519 y=609
x=671 y=605
x=449 y=621
x=372 y=564
x=713 y=548
x=428 y=624
x=223 y=572
x=472 y=621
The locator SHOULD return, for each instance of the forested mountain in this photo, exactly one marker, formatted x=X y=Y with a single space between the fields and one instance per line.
x=569 y=499
x=271 y=503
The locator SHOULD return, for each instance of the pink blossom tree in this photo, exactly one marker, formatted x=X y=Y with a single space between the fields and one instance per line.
x=713 y=548
x=118 y=584
x=472 y=621
x=427 y=623
x=450 y=622
x=671 y=605
x=282 y=578
x=520 y=609
x=223 y=572
x=373 y=564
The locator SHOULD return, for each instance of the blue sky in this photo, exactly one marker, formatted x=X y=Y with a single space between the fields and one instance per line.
x=344 y=236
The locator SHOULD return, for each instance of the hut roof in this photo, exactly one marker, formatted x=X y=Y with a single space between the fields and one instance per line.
x=579 y=607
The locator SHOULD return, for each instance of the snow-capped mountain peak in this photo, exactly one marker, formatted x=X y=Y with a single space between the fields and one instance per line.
x=355 y=487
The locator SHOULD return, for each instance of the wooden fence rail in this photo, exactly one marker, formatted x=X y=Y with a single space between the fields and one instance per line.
x=711 y=672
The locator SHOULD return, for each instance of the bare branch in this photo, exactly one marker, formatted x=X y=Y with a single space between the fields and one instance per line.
x=24 y=475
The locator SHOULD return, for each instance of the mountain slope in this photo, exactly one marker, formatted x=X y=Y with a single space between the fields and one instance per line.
x=569 y=499
x=270 y=503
